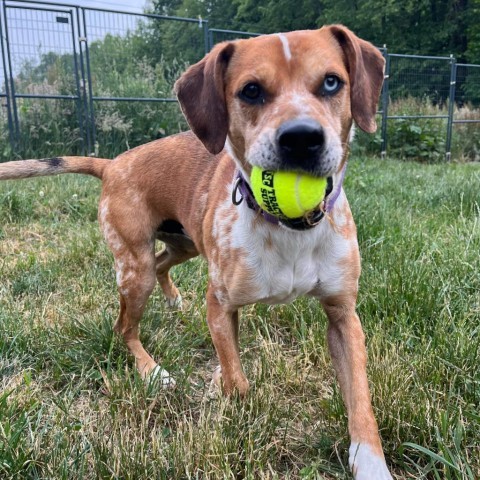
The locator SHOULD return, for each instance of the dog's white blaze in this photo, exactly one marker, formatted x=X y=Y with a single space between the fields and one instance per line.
x=365 y=464
x=286 y=46
x=302 y=102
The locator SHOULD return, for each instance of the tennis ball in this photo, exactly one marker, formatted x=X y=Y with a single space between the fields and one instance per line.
x=287 y=194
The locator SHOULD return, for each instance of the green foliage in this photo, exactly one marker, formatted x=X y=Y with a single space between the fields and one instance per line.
x=273 y=16
x=121 y=66
x=473 y=42
x=407 y=26
x=423 y=139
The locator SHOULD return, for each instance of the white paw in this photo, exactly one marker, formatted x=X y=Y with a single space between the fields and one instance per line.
x=175 y=302
x=215 y=388
x=158 y=374
x=365 y=464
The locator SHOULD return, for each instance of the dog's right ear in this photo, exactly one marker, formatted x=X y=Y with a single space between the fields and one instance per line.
x=201 y=93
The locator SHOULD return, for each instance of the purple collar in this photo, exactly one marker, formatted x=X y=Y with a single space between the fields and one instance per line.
x=302 y=223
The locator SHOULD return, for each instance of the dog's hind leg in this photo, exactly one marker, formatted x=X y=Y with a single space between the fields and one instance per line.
x=178 y=249
x=133 y=246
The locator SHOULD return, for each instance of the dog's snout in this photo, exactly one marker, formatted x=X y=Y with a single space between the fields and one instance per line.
x=300 y=140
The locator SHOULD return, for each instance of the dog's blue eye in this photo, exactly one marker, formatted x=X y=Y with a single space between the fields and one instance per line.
x=252 y=93
x=331 y=85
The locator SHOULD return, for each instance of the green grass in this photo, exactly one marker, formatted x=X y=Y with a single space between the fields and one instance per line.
x=72 y=406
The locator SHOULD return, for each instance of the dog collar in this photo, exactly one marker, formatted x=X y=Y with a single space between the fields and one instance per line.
x=242 y=191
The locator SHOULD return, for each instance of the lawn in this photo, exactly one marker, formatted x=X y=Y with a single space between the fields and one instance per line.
x=72 y=406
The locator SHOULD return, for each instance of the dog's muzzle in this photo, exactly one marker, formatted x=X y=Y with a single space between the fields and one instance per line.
x=301 y=144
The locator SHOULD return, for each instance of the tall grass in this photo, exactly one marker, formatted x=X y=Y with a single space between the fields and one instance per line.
x=424 y=139
x=49 y=127
x=72 y=406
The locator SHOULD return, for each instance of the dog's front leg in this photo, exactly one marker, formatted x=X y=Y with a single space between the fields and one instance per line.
x=223 y=326
x=346 y=342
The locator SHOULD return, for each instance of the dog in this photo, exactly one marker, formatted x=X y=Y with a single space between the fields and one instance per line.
x=280 y=102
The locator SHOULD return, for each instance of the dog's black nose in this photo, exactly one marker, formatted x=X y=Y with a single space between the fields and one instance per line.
x=300 y=141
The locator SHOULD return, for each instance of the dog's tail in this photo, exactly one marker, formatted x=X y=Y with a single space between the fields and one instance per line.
x=53 y=166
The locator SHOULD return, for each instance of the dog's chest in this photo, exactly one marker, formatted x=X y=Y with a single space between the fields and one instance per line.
x=284 y=267
x=258 y=262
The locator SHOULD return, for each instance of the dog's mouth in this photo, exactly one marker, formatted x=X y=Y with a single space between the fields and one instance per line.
x=328 y=190
x=268 y=206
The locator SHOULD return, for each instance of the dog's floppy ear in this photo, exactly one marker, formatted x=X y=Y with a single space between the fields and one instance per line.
x=366 y=67
x=201 y=93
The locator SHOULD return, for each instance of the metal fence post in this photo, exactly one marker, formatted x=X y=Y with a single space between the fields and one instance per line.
x=89 y=92
x=7 y=87
x=204 y=24
x=210 y=39
x=383 y=152
x=77 y=81
x=451 y=105
x=83 y=85
x=11 y=84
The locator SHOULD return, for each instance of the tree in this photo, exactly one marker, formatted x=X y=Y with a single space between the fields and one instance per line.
x=432 y=27
x=473 y=33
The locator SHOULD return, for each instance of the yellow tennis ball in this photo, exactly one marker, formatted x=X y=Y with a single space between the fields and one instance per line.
x=287 y=194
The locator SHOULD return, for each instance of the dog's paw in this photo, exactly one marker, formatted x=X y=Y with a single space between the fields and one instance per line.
x=215 y=388
x=365 y=464
x=175 y=303
x=161 y=377
x=237 y=384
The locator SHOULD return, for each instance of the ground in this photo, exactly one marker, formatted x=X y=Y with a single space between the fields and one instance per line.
x=72 y=405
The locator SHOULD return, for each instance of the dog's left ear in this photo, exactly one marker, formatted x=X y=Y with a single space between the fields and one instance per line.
x=201 y=93
x=366 y=67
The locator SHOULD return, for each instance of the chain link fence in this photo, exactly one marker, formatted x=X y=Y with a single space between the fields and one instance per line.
x=95 y=81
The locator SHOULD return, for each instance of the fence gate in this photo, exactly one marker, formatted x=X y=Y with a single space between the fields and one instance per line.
x=41 y=77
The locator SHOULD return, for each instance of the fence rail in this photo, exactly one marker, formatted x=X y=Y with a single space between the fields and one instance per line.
x=74 y=79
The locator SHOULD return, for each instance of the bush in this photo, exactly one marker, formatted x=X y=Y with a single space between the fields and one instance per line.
x=466 y=136
x=424 y=139
x=119 y=68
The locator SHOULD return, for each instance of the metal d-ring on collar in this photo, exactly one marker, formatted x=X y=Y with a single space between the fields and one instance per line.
x=237 y=201
x=242 y=188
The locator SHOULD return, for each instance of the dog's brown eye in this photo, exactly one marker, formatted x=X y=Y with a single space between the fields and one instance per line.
x=331 y=85
x=252 y=93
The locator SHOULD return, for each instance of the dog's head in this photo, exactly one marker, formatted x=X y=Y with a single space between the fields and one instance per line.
x=284 y=101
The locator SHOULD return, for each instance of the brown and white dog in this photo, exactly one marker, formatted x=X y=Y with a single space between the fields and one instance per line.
x=280 y=102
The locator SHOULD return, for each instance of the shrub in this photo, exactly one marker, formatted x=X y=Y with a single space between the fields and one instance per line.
x=58 y=126
x=424 y=139
x=466 y=136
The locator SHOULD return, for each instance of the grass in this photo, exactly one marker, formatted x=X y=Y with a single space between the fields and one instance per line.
x=72 y=406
